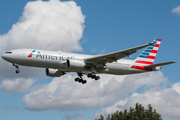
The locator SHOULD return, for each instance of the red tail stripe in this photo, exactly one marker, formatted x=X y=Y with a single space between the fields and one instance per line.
x=156 y=45
x=144 y=62
x=151 y=57
x=153 y=51
x=141 y=68
x=159 y=40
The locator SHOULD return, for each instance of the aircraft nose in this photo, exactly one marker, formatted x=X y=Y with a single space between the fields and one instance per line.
x=3 y=56
x=6 y=57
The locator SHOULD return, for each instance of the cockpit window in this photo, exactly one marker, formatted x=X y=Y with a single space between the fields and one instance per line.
x=8 y=52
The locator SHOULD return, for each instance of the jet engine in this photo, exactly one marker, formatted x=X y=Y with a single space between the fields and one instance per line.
x=76 y=64
x=54 y=72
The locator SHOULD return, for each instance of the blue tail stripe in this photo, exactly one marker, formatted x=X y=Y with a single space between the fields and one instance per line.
x=152 y=45
x=150 y=48
x=142 y=56
x=145 y=53
x=155 y=42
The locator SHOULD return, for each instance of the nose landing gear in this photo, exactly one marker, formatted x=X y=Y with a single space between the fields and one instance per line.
x=17 y=67
x=17 y=71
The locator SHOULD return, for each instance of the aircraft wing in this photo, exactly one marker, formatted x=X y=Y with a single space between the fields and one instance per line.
x=112 y=57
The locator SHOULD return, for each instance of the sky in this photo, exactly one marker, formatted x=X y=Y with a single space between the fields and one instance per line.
x=88 y=27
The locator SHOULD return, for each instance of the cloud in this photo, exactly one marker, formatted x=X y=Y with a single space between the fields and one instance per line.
x=176 y=10
x=164 y=100
x=11 y=107
x=16 y=85
x=75 y=116
x=102 y=51
x=94 y=50
x=65 y=94
x=50 y=25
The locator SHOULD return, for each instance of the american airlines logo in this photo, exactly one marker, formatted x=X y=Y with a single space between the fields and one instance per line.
x=53 y=57
x=31 y=54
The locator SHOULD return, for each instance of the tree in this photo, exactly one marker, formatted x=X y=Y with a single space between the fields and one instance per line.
x=137 y=113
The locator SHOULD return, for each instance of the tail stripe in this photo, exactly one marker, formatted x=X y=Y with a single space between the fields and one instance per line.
x=150 y=48
x=155 y=48
x=151 y=57
x=156 y=45
x=145 y=53
x=146 y=59
x=148 y=56
x=154 y=51
x=158 y=42
x=144 y=62
x=148 y=51
x=153 y=54
x=142 y=56
x=141 y=68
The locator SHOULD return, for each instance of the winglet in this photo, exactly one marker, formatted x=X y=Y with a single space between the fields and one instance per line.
x=151 y=43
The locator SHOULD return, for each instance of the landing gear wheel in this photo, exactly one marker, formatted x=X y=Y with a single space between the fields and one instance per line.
x=89 y=75
x=17 y=71
x=80 y=80
x=93 y=76
x=17 y=67
x=97 y=78
x=84 y=82
x=76 y=79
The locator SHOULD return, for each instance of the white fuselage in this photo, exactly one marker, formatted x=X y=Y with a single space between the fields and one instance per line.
x=58 y=59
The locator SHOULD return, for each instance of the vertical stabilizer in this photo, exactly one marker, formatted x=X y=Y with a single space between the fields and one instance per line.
x=148 y=56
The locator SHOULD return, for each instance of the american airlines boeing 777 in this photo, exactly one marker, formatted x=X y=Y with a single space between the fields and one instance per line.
x=58 y=63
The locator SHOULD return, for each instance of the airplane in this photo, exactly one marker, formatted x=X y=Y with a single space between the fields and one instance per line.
x=58 y=63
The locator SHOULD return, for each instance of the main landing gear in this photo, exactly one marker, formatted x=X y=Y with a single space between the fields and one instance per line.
x=80 y=79
x=93 y=76
x=17 y=67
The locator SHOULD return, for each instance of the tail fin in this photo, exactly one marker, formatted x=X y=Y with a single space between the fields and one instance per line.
x=148 y=56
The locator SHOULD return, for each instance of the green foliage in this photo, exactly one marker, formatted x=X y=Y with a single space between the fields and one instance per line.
x=137 y=113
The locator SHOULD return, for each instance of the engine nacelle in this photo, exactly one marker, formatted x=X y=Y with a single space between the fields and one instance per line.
x=54 y=72
x=76 y=64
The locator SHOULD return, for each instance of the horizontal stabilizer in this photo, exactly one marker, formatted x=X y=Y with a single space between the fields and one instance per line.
x=160 y=64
